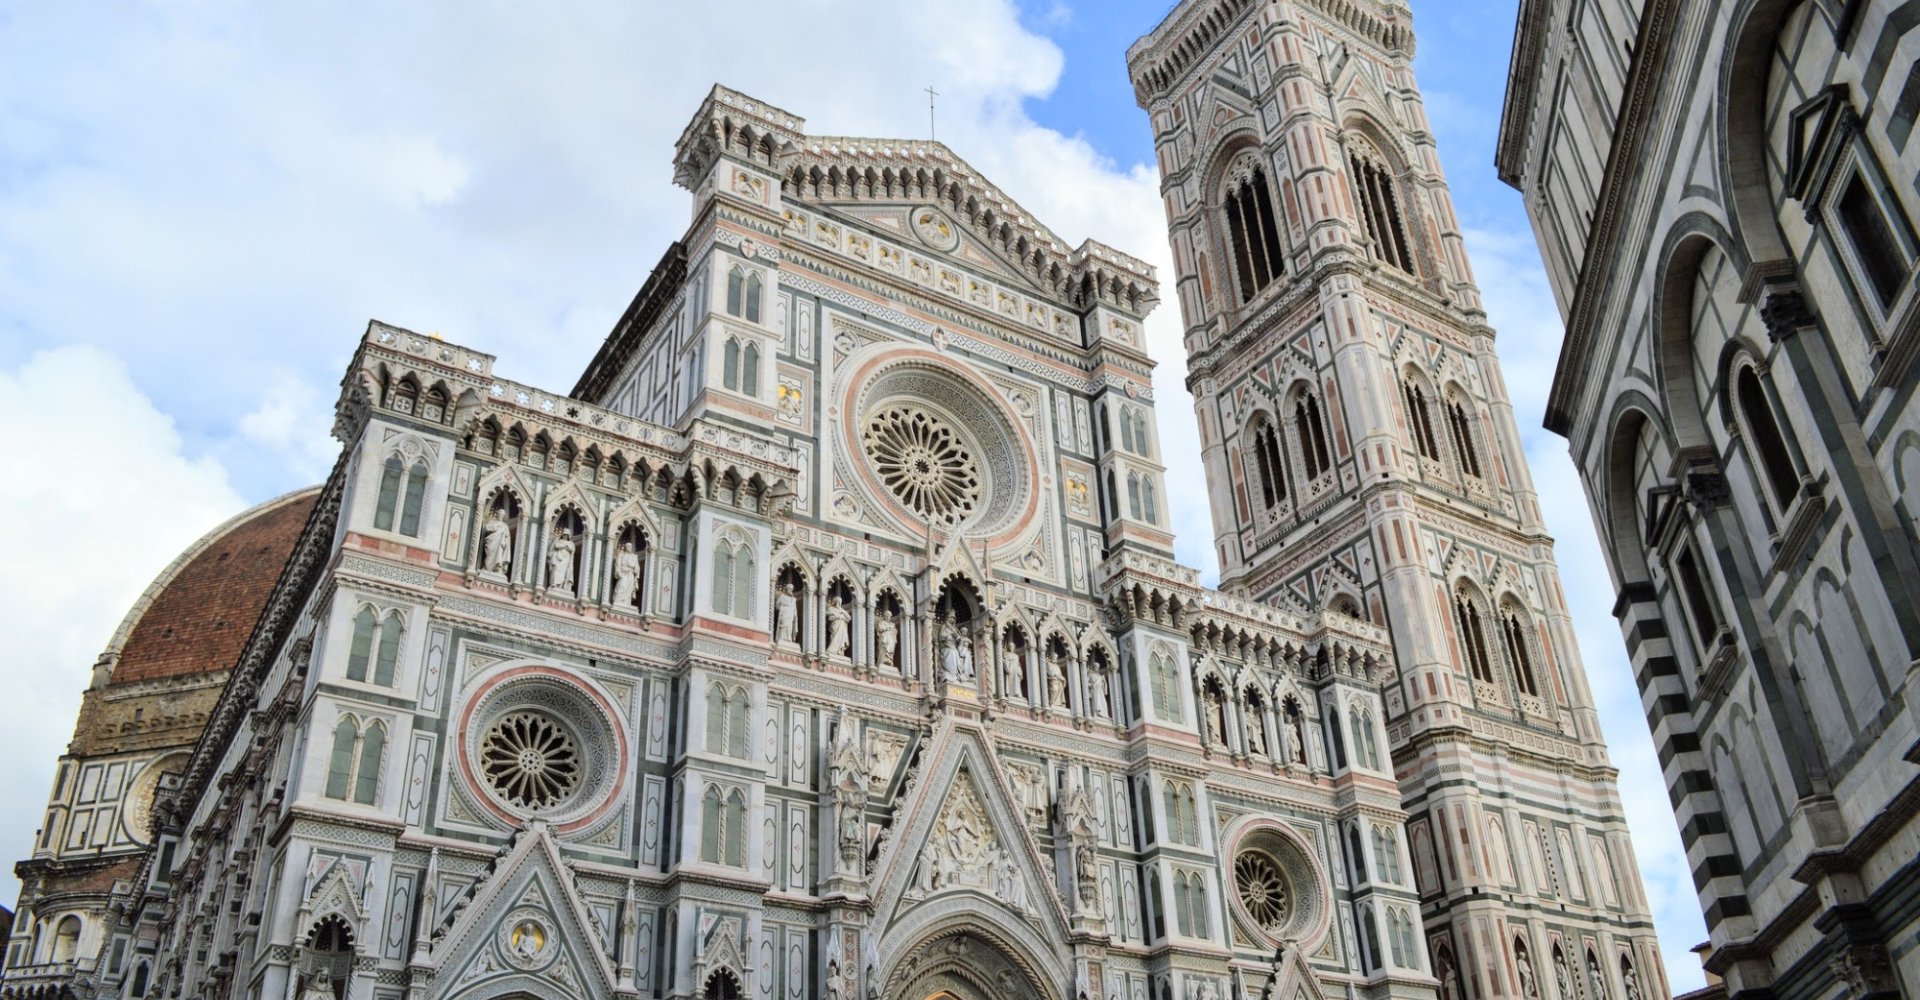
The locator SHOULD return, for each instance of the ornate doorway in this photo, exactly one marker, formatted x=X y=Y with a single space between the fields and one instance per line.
x=964 y=964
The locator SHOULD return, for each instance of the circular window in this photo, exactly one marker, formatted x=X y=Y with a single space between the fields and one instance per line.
x=931 y=443
x=923 y=463
x=1277 y=885
x=530 y=760
x=539 y=742
x=1263 y=890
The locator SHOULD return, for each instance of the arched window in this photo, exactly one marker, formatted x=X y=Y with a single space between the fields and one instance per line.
x=1378 y=205
x=1133 y=495
x=1386 y=853
x=66 y=939
x=1183 y=813
x=750 y=370
x=1769 y=445
x=736 y=291
x=1190 y=903
x=1394 y=938
x=1419 y=419
x=1473 y=636
x=1364 y=745
x=360 y=647
x=1460 y=431
x=730 y=364
x=722 y=986
x=391 y=504
x=1513 y=635
x=353 y=769
x=733 y=577
x=1701 y=612
x=1369 y=937
x=141 y=973
x=1166 y=687
x=1126 y=430
x=1148 y=501
x=1356 y=858
x=727 y=720
x=1311 y=431
x=736 y=839
x=752 y=312
x=1270 y=462
x=373 y=746
x=388 y=655
x=1252 y=228
x=712 y=824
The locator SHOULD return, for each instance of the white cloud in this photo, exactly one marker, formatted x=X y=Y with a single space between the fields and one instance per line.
x=292 y=420
x=100 y=500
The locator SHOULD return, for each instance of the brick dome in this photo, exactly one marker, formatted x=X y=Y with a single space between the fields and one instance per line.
x=198 y=614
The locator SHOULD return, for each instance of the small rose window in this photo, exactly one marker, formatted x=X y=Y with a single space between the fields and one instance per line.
x=530 y=760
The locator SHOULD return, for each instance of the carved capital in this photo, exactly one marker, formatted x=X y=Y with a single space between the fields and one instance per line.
x=1786 y=313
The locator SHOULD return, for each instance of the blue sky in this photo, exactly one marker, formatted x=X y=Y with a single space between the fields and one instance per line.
x=202 y=202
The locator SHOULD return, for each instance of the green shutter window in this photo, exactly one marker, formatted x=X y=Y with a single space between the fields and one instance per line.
x=389 y=653
x=372 y=746
x=416 y=498
x=340 y=767
x=389 y=494
x=361 y=645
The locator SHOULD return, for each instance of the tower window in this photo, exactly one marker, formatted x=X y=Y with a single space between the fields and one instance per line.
x=1379 y=205
x=1769 y=445
x=1270 y=462
x=1252 y=230
x=1473 y=636
x=1312 y=432
x=1883 y=260
x=1513 y=632
x=1460 y=429
x=1419 y=419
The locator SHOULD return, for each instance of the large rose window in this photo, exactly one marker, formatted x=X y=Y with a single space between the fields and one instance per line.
x=1277 y=887
x=1263 y=890
x=931 y=443
x=538 y=742
x=923 y=463
x=530 y=760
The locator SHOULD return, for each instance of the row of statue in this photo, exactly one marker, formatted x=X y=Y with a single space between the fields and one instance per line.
x=562 y=559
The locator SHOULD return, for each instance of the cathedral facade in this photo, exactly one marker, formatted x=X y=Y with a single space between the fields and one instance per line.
x=826 y=640
x=1722 y=195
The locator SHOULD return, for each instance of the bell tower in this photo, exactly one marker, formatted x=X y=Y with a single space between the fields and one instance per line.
x=1362 y=458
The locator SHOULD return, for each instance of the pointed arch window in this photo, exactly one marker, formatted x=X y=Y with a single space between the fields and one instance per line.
x=1419 y=418
x=752 y=311
x=1148 y=502
x=1473 y=636
x=1271 y=463
x=1460 y=430
x=375 y=644
x=1378 y=205
x=723 y=822
x=1513 y=635
x=403 y=493
x=1133 y=495
x=1183 y=813
x=733 y=577
x=1253 y=232
x=727 y=720
x=353 y=769
x=1190 y=903
x=1165 y=678
x=730 y=364
x=736 y=290
x=1311 y=431
x=1769 y=445
x=750 y=370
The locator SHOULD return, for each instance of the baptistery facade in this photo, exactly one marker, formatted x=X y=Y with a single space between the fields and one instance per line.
x=825 y=640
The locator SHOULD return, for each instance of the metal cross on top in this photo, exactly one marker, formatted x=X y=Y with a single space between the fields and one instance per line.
x=931 y=94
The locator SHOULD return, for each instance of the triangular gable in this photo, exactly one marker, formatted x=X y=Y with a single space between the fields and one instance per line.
x=525 y=927
x=960 y=841
x=1290 y=978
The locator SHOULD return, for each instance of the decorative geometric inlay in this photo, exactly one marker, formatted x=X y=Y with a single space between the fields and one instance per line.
x=530 y=760
x=1263 y=889
x=923 y=463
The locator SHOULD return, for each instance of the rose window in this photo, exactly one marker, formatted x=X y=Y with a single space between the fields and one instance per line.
x=530 y=760
x=923 y=462
x=1263 y=890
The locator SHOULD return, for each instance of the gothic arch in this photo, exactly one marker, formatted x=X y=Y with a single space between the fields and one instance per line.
x=968 y=956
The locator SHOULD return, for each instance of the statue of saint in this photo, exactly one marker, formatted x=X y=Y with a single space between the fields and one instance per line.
x=837 y=618
x=1528 y=987
x=949 y=652
x=496 y=543
x=560 y=561
x=319 y=986
x=626 y=576
x=1087 y=874
x=786 y=615
x=886 y=637
x=1256 y=730
x=1097 y=692
x=963 y=649
x=1015 y=684
x=1056 y=680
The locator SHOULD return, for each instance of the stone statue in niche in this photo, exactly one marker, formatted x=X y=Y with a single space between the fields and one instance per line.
x=786 y=615
x=849 y=772
x=496 y=543
x=1086 y=869
x=319 y=986
x=1097 y=692
x=1014 y=683
x=1256 y=730
x=886 y=636
x=1056 y=680
x=956 y=653
x=1524 y=965
x=626 y=576
x=838 y=618
x=560 y=560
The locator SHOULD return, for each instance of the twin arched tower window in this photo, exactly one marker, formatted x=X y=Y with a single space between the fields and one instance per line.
x=1313 y=435
x=1253 y=231
x=743 y=294
x=1378 y=205
x=1271 y=462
